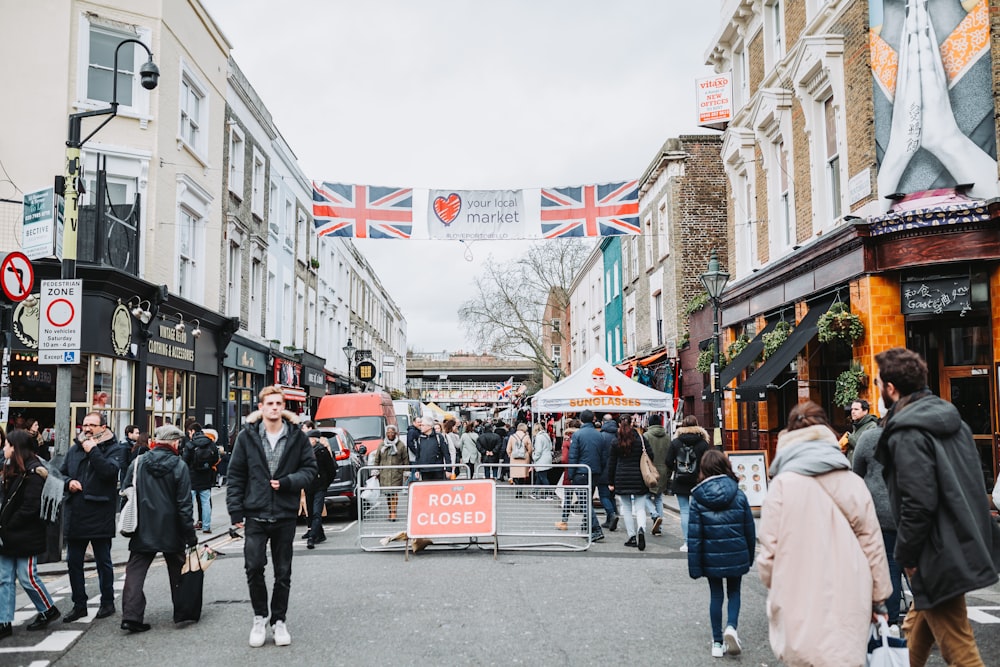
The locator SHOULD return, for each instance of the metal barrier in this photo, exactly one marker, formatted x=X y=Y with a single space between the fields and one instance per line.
x=538 y=517
x=375 y=517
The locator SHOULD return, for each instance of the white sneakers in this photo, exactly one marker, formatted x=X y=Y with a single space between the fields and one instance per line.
x=684 y=547
x=281 y=636
x=732 y=641
x=717 y=650
x=258 y=633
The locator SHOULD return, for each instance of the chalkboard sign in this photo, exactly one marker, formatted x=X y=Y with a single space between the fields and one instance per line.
x=938 y=295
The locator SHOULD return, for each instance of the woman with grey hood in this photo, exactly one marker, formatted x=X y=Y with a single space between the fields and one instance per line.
x=818 y=531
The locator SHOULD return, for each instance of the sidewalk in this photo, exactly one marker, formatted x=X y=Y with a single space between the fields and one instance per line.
x=119 y=545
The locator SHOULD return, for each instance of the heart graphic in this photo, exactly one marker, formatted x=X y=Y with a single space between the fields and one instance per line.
x=447 y=208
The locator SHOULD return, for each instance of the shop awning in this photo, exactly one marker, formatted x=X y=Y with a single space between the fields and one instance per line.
x=293 y=393
x=746 y=357
x=756 y=386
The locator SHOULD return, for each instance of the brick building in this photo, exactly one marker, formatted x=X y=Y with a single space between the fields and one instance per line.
x=834 y=199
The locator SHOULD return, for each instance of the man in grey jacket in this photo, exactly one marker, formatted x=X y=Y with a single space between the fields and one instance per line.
x=272 y=462
x=945 y=539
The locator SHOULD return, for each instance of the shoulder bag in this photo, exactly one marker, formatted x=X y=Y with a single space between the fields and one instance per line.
x=649 y=473
x=128 y=518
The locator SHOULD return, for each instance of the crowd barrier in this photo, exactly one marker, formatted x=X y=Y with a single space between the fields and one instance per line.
x=527 y=516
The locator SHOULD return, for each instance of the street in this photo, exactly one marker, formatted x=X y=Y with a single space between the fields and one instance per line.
x=601 y=606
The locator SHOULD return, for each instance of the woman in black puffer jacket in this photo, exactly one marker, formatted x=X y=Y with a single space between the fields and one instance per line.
x=22 y=530
x=626 y=480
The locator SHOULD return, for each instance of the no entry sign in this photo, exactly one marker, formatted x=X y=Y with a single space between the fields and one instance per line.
x=59 y=322
x=17 y=276
x=460 y=508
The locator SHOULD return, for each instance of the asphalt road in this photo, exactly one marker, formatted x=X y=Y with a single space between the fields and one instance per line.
x=608 y=605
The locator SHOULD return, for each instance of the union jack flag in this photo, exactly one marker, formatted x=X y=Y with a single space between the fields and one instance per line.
x=505 y=388
x=591 y=210
x=362 y=211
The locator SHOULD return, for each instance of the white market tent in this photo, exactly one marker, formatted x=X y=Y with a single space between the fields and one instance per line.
x=599 y=386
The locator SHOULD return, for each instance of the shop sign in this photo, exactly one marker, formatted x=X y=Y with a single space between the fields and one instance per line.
x=936 y=296
x=170 y=343
x=25 y=324
x=313 y=378
x=366 y=371
x=121 y=331
x=245 y=358
x=42 y=223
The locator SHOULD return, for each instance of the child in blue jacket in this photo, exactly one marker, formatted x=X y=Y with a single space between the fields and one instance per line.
x=721 y=542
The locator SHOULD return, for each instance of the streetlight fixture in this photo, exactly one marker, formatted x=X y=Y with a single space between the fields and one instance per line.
x=149 y=76
x=556 y=371
x=715 y=280
x=349 y=351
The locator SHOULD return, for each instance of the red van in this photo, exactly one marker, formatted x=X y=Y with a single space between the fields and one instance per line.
x=364 y=415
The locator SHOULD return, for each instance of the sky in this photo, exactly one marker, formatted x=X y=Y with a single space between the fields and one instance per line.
x=465 y=94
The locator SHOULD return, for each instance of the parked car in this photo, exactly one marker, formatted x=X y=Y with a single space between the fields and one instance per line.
x=341 y=492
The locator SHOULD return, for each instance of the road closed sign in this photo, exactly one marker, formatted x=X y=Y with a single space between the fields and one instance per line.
x=460 y=508
x=59 y=322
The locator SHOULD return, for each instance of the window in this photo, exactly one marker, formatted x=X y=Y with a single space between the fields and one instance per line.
x=273 y=221
x=741 y=74
x=302 y=239
x=557 y=326
x=194 y=115
x=187 y=263
x=658 y=316
x=234 y=277
x=625 y=261
x=257 y=183
x=192 y=213
x=237 y=158
x=664 y=230
x=635 y=257
x=557 y=354
x=616 y=290
x=785 y=218
x=286 y=315
x=777 y=21
x=832 y=159
x=254 y=325
x=272 y=307
x=607 y=287
x=647 y=237
x=288 y=215
x=99 y=39
x=618 y=344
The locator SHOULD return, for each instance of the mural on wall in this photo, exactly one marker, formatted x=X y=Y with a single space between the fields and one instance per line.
x=934 y=115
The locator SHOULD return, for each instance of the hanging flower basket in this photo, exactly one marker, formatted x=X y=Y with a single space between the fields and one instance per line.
x=839 y=323
x=848 y=385
x=704 y=364
x=772 y=341
x=736 y=347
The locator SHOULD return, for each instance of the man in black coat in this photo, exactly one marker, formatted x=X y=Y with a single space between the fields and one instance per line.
x=272 y=463
x=489 y=445
x=945 y=539
x=91 y=470
x=201 y=455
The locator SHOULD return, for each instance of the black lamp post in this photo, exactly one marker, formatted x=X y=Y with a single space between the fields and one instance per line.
x=149 y=75
x=349 y=351
x=556 y=371
x=715 y=280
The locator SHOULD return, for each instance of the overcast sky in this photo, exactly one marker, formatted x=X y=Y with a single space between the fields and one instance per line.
x=460 y=94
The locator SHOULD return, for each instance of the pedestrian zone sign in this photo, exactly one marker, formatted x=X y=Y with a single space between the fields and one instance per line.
x=59 y=322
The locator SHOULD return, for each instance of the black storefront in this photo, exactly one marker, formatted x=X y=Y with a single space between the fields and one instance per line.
x=313 y=380
x=246 y=369
x=146 y=355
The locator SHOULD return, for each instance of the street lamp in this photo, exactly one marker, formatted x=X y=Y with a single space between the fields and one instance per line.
x=715 y=280
x=149 y=75
x=556 y=371
x=349 y=351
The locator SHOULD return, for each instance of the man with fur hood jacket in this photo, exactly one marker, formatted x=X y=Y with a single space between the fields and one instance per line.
x=272 y=462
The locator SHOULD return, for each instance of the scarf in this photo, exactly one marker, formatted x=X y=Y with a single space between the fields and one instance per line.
x=809 y=451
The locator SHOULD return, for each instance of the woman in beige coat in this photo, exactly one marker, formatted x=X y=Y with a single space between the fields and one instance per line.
x=821 y=551
x=519 y=453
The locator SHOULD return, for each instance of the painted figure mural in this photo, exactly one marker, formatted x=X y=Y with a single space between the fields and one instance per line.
x=934 y=113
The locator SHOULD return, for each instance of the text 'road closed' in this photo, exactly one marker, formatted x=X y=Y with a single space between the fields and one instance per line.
x=452 y=509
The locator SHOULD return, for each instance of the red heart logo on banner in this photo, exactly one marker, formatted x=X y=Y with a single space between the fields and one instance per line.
x=446 y=209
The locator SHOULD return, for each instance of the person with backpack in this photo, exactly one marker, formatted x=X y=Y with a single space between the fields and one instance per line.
x=721 y=544
x=201 y=456
x=432 y=450
x=519 y=453
x=326 y=470
x=683 y=456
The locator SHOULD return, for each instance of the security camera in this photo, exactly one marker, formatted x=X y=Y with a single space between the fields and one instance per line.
x=149 y=74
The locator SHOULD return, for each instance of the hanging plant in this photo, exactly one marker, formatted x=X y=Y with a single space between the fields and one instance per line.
x=849 y=384
x=696 y=303
x=704 y=364
x=772 y=341
x=737 y=346
x=839 y=323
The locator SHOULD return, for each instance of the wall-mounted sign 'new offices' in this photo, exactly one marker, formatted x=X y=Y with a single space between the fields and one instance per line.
x=59 y=322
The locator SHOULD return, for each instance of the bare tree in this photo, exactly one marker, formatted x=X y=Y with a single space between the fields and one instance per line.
x=505 y=316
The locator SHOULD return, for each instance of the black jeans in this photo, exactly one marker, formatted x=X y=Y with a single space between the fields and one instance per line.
x=315 y=501
x=105 y=570
x=257 y=534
